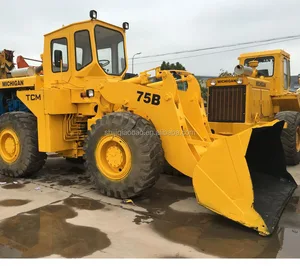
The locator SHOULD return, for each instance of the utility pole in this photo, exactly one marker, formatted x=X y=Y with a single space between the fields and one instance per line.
x=133 y=59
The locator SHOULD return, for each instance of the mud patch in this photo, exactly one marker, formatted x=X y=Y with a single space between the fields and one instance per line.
x=86 y=179
x=182 y=181
x=66 y=182
x=44 y=231
x=13 y=202
x=157 y=201
x=7 y=179
x=142 y=219
x=176 y=256
x=76 y=170
x=13 y=186
x=293 y=205
x=212 y=233
x=84 y=203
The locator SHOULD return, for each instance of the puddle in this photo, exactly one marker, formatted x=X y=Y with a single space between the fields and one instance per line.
x=44 y=231
x=13 y=202
x=84 y=203
x=7 y=252
x=12 y=186
x=213 y=234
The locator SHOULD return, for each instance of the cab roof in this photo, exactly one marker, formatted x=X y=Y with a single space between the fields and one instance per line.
x=86 y=22
x=265 y=53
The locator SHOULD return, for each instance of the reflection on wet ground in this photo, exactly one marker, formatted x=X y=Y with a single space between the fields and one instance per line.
x=65 y=173
x=214 y=234
x=13 y=186
x=84 y=203
x=13 y=202
x=44 y=231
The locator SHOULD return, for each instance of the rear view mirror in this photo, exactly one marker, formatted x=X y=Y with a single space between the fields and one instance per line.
x=57 y=57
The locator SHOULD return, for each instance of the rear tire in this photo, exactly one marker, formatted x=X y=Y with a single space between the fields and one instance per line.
x=139 y=158
x=19 y=153
x=290 y=136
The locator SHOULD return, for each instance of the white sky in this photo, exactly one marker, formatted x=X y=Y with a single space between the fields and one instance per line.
x=161 y=26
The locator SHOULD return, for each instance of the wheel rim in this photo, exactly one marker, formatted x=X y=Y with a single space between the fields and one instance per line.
x=113 y=157
x=298 y=138
x=9 y=146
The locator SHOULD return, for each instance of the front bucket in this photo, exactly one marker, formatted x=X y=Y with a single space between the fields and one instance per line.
x=244 y=177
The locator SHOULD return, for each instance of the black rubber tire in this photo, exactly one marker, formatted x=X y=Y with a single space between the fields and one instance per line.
x=146 y=152
x=288 y=136
x=78 y=160
x=30 y=160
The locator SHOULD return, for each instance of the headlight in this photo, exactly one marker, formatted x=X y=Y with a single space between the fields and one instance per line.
x=239 y=81
x=213 y=83
x=90 y=93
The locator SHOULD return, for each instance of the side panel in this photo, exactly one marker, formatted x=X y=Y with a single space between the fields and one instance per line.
x=290 y=102
x=50 y=127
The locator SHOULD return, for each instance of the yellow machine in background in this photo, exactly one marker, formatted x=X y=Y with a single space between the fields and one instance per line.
x=82 y=105
x=257 y=93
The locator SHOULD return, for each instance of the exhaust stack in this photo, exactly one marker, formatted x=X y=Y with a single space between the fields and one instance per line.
x=243 y=70
x=22 y=72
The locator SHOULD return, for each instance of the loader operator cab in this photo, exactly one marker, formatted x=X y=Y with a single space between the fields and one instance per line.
x=88 y=48
x=273 y=66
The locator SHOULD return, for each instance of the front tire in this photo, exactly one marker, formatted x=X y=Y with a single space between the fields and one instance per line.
x=123 y=164
x=19 y=153
x=290 y=136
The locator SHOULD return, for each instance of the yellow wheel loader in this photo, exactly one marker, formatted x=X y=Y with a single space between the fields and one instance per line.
x=257 y=93
x=79 y=103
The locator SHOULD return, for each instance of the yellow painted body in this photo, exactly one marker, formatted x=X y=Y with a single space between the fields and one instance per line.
x=262 y=102
x=217 y=164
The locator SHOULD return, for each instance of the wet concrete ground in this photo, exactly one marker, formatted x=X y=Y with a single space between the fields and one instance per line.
x=59 y=213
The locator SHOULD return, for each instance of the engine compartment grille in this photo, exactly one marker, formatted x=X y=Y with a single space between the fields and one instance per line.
x=227 y=103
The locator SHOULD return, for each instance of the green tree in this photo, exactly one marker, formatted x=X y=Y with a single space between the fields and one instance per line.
x=225 y=73
x=168 y=66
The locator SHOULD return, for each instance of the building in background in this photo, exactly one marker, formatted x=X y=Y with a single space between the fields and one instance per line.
x=295 y=83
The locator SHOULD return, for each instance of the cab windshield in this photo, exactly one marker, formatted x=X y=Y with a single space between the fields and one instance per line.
x=265 y=65
x=110 y=50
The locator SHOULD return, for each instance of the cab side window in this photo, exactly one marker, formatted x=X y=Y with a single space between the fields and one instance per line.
x=286 y=73
x=59 y=53
x=83 y=51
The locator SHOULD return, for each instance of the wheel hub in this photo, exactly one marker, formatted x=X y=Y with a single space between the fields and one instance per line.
x=9 y=146
x=113 y=157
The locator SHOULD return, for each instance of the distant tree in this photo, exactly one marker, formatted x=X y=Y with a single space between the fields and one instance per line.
x=204 y=91
x=168 y=66
x=224 y=73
